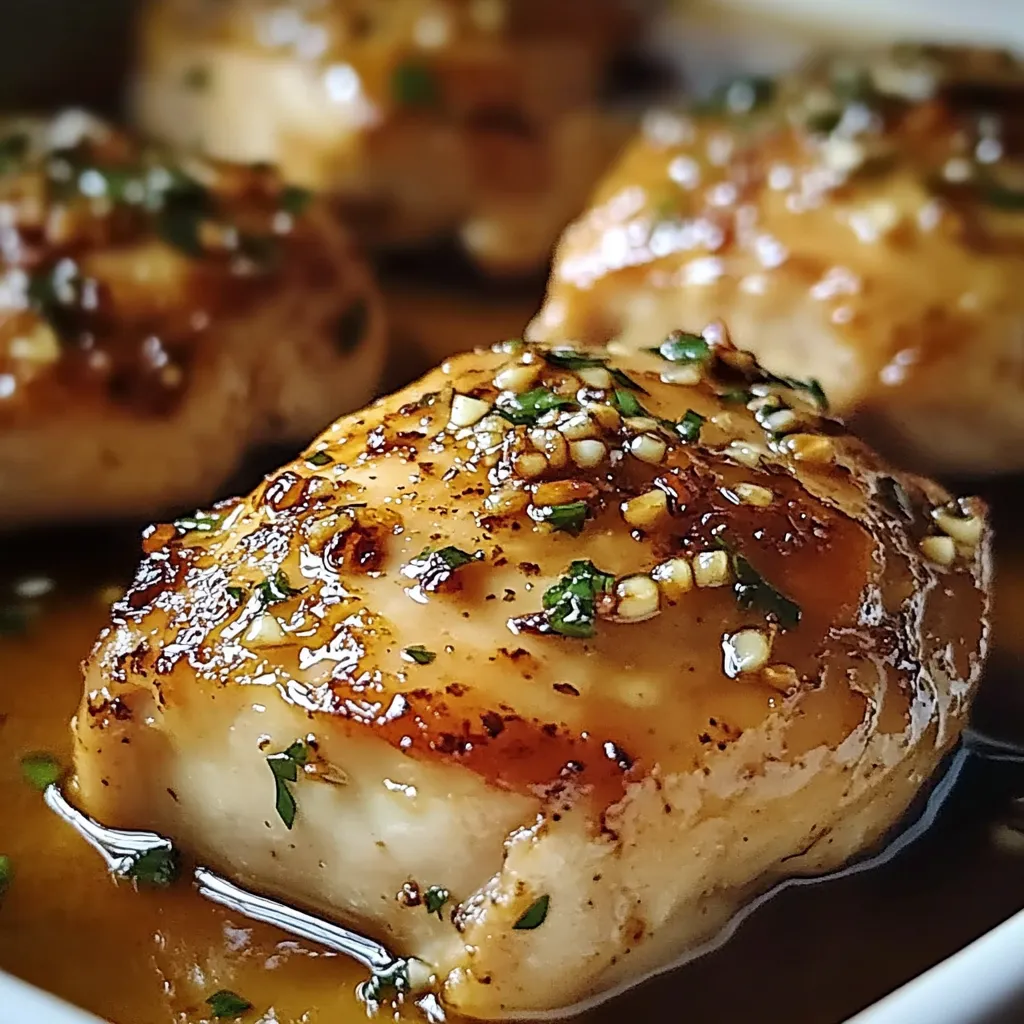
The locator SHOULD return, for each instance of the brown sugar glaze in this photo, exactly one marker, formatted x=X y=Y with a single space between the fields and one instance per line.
x=154 y=957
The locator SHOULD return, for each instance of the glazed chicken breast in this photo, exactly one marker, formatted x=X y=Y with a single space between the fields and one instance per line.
x=542 y=667
x=861 y=223
x=158 y=317
x=426 y=119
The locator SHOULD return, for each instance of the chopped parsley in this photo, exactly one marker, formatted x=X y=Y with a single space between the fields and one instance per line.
x=823 y=122
x=275 y=589
x=228 y=1005
x=534 y=916
x=419 y=654
x=569 y=517
x=415 y=85
x=6 y=873
x=742 y=95
x=320 y=458
x=434 y=899
x=285 y=769
x=735 y=396
x=351 y=326
x=688 y=428
x=1002 y=197
x=196 y=78
x=55 y=294
x=41 y=770
x=157 y=868
x=811 y=387
x=571 y=603
x=294 y=200
x=393 y=979
x=567 y=359
x=527 y=408
x=433 y=569
x=182 y=210
x=237 y=594
x=683 y=347
x=627 y=404
x=199 y=522
x=754 y=591
x=13 y=150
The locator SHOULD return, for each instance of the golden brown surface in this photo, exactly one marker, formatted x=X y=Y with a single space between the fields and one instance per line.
x=63 y=922
x=781 y=693
x=159 y=316
x=473 y=118
x=859 y=222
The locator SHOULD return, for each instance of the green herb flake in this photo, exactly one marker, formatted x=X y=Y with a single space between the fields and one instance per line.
x=41 y=770
x=534 y=916
x=275 y=589
x=683 y=347
x=823 y=122
x=285 y=768
x=199 y=522
x=434 y=899
x=415 y=85
x=571 y=603
x=569 y=359
x=568 y=518
x=157 y=868
x=627 y=404
x=228 y=1005
x=811 y=387
x=237 y=594
x=1002 y=197
x=689 y=427
x=625 y=381
x=419 y=654
x=754 y=591
x=13 y=150
x=745 y=95
x=6 y=873
x=351 y=326
x=527 y=408
x=735 y=396
x=196 y=78
x=454 y=558
x=320 y=458
x=55 y=294
x=295 y=200
x=393 y=979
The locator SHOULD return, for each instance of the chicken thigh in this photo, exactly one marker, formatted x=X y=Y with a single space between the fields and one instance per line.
x=474 y=119
x=861 y=223
x=158 y=317
x=541 y=668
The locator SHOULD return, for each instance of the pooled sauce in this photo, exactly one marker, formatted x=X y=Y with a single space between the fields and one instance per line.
x=813 y=953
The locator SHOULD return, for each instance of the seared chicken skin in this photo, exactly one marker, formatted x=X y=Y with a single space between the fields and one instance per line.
x=542 y=667
x=425 y=118
x=157 y=318
x=861 y=223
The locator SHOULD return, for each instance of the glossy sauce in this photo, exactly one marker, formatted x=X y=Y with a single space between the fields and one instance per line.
x=153 y=957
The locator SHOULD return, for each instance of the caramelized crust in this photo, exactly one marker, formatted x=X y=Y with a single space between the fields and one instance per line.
x=424 y=119
x=143 y=302
x=643 y=653
x=859 y=222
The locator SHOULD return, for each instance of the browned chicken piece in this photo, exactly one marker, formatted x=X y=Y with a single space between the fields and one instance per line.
x=426 y=119
x=157 y=318
x=861 y=223
x=542 y=667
